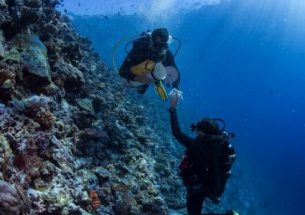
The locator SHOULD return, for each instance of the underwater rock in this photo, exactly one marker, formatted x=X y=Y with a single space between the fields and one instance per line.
x=32 y=3
x=3 y=4
x=83 y=119
x=6 y=75
x=33 y=55
x=102 y=174
x=85 y=104
x=12 y=55
x=2 y=109
x=37 y=101
x=50 y=28
x=105 y=210
x=53 y=3
x=127 y=204
x=67 y=76
x=155 y=206
x=72 y=53
x=37 y=108
x=95 y=200
x=5 y=151
x=7 y=83
x=29 y=15
x=2 y=54
x=10 y=201
x=98 y=103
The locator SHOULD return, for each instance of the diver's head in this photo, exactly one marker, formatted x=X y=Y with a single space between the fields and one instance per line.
x=160 y=37
x=206 y=126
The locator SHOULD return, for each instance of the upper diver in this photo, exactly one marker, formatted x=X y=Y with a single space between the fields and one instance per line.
x=150 y=61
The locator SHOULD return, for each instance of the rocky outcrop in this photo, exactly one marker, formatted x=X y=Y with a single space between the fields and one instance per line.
x=33 y=55
x=71 y=142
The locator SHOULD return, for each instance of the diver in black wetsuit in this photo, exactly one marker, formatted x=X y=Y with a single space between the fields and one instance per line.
x=150 y=51
x=206 y=165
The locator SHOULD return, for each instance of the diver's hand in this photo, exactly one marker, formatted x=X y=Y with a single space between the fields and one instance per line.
x=175 y=95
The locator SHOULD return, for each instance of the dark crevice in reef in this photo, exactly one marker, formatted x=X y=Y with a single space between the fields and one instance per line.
x=70 y=141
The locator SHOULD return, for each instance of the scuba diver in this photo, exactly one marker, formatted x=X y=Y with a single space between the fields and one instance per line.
x=150 y=61
x=206 y=165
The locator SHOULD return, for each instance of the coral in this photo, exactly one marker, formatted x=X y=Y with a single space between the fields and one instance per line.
x=2 y=109
x=32 y=3
x=10 y=201
x=98 y=103
x=37 y=108
x=5 y=155
x=85 y=104
x=5 y=75
x=30 y=164
x=33 y=55
x=45 y=118
x=83 y=119
x=95 y=200
x=127 y=204
x=3 y=4
x=65 y=74
x=7 y=83
x=67 y=128
x=29 y=157
x=37 y=101
x=72 y=53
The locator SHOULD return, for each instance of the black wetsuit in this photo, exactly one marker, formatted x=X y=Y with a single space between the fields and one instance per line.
x=141 y=51
x=205 y=168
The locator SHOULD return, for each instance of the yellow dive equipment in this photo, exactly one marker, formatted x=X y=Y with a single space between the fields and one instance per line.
x=143 y=68
x=161 y=90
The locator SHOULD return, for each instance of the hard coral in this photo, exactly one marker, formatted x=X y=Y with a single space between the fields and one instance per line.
x=28 y=156
x=37 y=108
x=5 y=75
x=45 y=118
x=10 y=202
x=95 y=200
x=7 y=83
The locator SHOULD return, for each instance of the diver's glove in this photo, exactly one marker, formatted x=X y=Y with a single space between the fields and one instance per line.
x=161 y=90
x=177 y=92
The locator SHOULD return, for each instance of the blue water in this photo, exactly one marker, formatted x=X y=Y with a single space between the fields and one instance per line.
x=243 y=61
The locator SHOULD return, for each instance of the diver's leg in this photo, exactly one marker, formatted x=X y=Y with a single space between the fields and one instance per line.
x=194 y=203
x=145 y=83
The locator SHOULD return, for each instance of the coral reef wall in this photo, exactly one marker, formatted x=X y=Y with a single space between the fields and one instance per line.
x=71 y=142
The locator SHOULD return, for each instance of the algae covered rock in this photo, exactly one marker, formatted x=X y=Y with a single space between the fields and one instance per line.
x=70 y=77
x=67 y=128
x=12 y=55
x=85 y=104
x=10 y=201
x=3 y=4
x=1 y=44
x=33 y=54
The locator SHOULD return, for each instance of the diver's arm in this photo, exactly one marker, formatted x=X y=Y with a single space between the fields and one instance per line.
x=170 y=61
x=178 y=134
